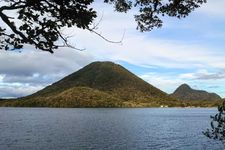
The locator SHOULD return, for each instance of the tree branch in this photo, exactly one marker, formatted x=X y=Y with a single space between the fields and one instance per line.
x=104 y=38
x=66 y=44
x=11 y=25
x=13 y=7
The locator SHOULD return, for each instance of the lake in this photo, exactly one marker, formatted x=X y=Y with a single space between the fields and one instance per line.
x=102 y=128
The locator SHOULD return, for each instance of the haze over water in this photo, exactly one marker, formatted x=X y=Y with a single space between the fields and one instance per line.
x=144 y=128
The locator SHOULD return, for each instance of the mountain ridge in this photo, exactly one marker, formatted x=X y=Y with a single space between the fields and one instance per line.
x=110 y=83
x=185 y=92
x=96 y=75
x=102 y=84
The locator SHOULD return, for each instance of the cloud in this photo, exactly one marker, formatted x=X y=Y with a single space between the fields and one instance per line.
x=32 y=70
x=17 y=90
x=203 y=75
x=167 y=83
x=200 y=79
x=212 y=76
x=30 y=61
x=213 y=8
x=142 y=50
x=214 y=87
x=150 y=49
x=179 y=46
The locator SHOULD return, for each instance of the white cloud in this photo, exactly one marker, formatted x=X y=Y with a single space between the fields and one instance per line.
x=213 y=8
x=200 y=79
x=144 y=48
x=29 y=71
x=36 y=69
x=170 y=81
x=203 y=74
x=167 y=83
x=30 y=61
x=12 y=90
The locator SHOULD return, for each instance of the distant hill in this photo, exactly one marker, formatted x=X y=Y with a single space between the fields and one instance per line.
x=185 y=92
x=106 y=84
x=99 y=84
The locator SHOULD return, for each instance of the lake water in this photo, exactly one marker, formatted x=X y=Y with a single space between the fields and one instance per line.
x=77 y=129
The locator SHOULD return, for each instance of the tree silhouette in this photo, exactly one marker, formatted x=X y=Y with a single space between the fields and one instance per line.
x=39 y=22
x=217 y=130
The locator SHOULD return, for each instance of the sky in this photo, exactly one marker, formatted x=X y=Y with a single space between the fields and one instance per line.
x=190 y=50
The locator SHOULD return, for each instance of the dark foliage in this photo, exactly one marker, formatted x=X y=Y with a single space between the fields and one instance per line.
x=151 y=11
x=40 y=21
x=217 y=130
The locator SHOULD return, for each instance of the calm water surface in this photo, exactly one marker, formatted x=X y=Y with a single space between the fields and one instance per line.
x=77 y=129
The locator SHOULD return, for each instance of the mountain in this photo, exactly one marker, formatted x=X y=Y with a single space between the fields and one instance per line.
x=99 y=84
x=185 y=92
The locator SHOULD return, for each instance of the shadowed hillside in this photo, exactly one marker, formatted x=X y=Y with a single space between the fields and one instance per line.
x=108 y=77
x=102 y=84
x=185 y=92
x=99 y=84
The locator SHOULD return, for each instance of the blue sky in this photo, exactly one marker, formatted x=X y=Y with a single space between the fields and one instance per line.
x=189 y=51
